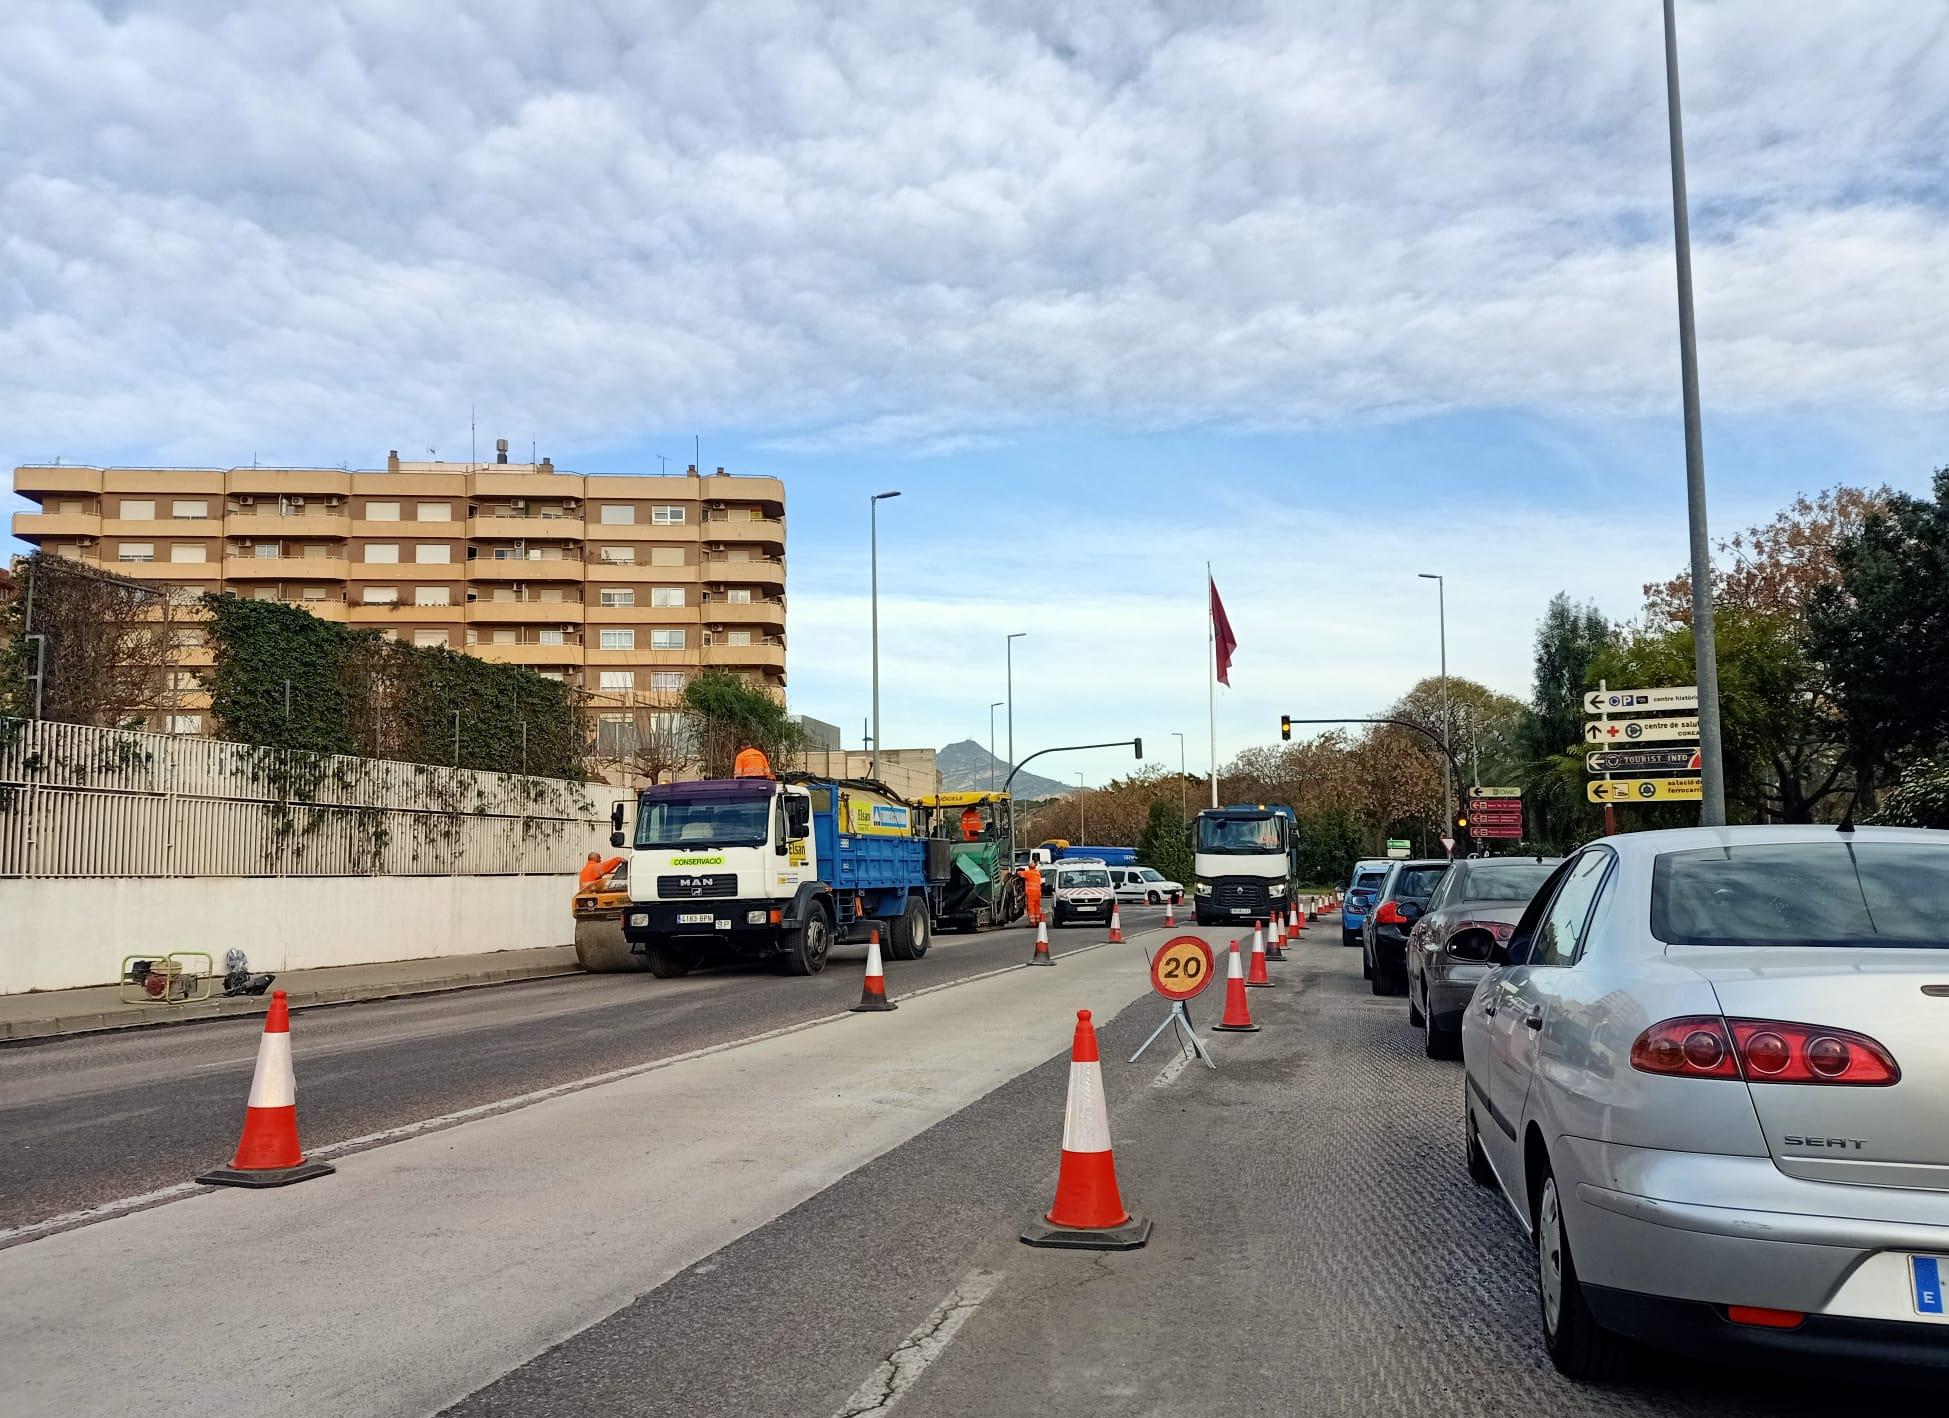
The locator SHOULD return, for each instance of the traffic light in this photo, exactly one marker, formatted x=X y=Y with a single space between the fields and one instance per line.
x=1286 y=727
x=1462 y=841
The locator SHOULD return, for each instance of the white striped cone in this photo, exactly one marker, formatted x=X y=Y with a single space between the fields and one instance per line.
x=1275 y=939
x=1292 y=923
x=1238 y=1013
x=1088 y=1213
x=1170 y=911
x=1042 y=955
x=1116 y=922
x=268 y=1155
x=873 y=990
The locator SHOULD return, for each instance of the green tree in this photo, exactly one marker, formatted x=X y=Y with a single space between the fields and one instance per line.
x=1881 y=633
x=1547 y=752
x=1166 y=842
x=727 y=712
x=1330 y=842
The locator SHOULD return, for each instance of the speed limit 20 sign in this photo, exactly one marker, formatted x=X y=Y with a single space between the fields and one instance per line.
x=1181 y=968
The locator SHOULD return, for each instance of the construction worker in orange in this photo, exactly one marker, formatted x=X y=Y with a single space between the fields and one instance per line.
x=592 y=872
x=970 y=824
x=1032 y=882
x=751 y=763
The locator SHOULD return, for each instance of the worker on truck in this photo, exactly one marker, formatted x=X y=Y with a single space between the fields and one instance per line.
x=751 y=763
x=970 y=823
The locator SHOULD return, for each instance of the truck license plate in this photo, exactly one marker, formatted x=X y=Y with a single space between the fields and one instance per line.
x=696 y=918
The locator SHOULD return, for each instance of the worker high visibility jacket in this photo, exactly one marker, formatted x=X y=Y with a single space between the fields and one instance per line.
x=751 y=763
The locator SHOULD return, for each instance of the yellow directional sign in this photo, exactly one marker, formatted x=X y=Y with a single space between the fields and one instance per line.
x=1646 y=790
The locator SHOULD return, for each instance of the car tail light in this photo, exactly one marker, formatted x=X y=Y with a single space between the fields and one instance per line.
x=1501 y=930
x=1763 y=1317
x=1388 y=915
x=1763 y=1051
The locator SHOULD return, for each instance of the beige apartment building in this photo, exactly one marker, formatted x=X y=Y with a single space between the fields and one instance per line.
x=621 y=586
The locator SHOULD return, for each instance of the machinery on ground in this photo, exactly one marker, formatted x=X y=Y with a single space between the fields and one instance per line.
x=984 y=887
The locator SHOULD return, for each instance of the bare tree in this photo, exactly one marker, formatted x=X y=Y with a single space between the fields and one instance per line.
x=645 y=742
x=109 y=644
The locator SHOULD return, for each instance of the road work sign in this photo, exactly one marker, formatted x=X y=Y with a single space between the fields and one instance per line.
x=1640 y=701
x=1644 y=760
x=1182 y=968
x=1645 y=790
x=1624 y=732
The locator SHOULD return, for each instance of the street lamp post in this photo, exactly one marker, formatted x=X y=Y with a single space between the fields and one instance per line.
x=1008 y=649
x=1705 y=654
x=1183 y=807
x=1082 y=834
x=1447 y=753
x=991 y=743
x=873 y=518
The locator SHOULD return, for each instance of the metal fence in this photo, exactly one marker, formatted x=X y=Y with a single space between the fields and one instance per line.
x=81 y=801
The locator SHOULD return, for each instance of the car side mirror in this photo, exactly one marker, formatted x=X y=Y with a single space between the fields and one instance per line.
x=616 y=820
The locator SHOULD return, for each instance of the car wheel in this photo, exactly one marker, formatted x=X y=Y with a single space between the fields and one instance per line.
x=1479 y=1170
x=1151 y=898
x=1348 y=937
x=1579 y=1347
x=1416 y=1019
x=1366 y=964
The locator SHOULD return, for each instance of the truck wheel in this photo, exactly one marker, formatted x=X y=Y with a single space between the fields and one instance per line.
x=669 y=962
x=911 y=933
x=601 y=950
x=806 y=947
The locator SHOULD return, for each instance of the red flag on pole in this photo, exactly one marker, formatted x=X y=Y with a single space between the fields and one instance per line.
x=1224 y=642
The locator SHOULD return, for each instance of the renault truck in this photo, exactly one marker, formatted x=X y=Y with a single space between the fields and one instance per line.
x=1245 y=859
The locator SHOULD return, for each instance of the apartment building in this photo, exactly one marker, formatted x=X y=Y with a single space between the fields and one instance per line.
x=622 y=586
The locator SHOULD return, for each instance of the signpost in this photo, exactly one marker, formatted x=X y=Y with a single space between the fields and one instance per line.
x=1497 y=818
x=1646 y=790
x=1398 y=848
x=1180 y=971
x=1479 y=792
x=1644 y=760
x=1641 y=701
x=1625 y=732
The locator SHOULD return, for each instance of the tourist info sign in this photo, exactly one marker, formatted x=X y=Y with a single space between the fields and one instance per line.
x=1644 y=760
x=1626 y=732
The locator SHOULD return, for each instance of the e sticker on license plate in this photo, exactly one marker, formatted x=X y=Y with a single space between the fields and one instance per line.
x=693 y=918
x=1927 y=1274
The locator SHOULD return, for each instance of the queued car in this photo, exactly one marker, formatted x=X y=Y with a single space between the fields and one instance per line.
x=1146 y=884
x=1358 y=898
x=1477 y=904
x=1079 y=892
x=1398 y=903
x=1711 y=1077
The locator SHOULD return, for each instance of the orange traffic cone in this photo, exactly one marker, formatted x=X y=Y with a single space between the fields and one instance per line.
x=269 y=1155
x=1042 y=955
x=1274 y=939
x=1089 y=1213
x=1238 y=1014
x=1257 y=978
x=1293 y=922
x=1170 y=911
x=1116 y=923
x=873 y=993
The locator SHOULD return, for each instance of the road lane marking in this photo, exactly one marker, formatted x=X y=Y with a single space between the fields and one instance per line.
x=108 y=1210
x=902 y=1369
x=1171 y=1070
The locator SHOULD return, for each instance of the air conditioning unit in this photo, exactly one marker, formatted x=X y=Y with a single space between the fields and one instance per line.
x=334 y=502
x=246 y=500
x=295 y=501
x=518 y=506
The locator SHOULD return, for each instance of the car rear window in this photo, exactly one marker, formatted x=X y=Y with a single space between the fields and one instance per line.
x=1367 y=880
x=1839 y=893
x=1504 y=881
x=1418 y=883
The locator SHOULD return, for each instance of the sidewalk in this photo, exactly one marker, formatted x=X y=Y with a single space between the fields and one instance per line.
x=48 y=1013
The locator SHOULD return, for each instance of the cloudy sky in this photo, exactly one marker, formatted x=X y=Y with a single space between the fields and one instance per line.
x=1326 y=293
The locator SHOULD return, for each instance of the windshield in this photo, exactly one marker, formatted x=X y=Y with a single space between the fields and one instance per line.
x=1148 y=874
x=1837 y=893
x=1504 y=881
x=703 y=822
x=1082 y=878
x=1238 y=836
x=1418 y=883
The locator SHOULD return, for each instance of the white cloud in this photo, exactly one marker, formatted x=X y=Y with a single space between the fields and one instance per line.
x=326 y=229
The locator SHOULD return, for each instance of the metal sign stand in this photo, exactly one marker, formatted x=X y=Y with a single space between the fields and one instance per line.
x=1180 y=1015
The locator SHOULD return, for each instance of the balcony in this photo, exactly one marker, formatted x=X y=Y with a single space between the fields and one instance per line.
x=405 y=613
x=739 y=531
x=640 y=531
x=526 y=569
x=193 y=657
x=524 y=612
x=721 y=571
x=735 y=489
x=270 y=525
x=770 y=657
x=41 y=481
x=551 y=656
x=721 y=612
x=643 y=613
x=640 y=658
x=195 y=527
x=493 y=482
x=286 y=568
x=203 y=575
x=512 y=527
x=631 y=573
x=290 y=482
x=165 y=482
x=35 y=526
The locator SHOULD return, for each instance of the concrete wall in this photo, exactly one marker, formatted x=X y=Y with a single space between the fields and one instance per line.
x=57 y=933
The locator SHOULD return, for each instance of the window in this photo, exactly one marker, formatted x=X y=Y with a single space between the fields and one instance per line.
x=189 y=551
x=557 y=675
x=433 y=554
x=188 y=635
x=380 y=595
x=616 y=514
x=434 y=512
x=618 y=596
x=264 y=593
x=619 y=639
x=667 y=679
x=666 y=556
x=428 y=638
x=667 y=516
x=432 y=595
x=664 y=639
x=382 y=512
x=738 y=596
x=382 y=553
x=551 y=637
x=183 y=724
x=190 y=511
x=1562 y=924
x=1832 y=894
x=738 y=554
x=71 y=507
x=549 y=595
x=143 y=511
x=503 y=636
x=666 y=596
x=618 y=679
x=503 y=593
x=316 y=551
x=313 y=593
x=737 y=637
x=182 y=680
x=266 y=551
x=620 y=556
x=137 y=551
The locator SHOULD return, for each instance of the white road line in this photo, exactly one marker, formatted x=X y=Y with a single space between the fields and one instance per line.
x=902 y=1369
x=67 y=1221
x=1171 y=1070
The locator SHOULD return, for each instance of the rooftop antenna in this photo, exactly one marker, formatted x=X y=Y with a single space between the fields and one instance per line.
x=1846 y=824
x=473 y=442
x=697 y=455
x=663 y=463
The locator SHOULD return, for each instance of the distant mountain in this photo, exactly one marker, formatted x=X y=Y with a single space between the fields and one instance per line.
x=964 y=769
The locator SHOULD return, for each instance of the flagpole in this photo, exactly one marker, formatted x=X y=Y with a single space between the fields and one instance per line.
x=1211 y=684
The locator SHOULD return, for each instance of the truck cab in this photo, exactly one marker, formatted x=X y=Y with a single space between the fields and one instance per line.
x=1245 y=858
x=762 y=869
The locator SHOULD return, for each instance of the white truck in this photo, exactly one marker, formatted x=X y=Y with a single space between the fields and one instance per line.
x=1245 y=861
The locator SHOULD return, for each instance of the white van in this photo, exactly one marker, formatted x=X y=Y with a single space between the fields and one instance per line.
x=1145 y=884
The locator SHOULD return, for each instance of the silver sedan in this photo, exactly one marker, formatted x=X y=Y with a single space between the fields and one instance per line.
x=1712 y=1079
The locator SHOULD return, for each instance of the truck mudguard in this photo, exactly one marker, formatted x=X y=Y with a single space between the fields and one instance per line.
x=808 y=892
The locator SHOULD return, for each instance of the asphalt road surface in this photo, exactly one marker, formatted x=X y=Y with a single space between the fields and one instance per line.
x=92 y=1119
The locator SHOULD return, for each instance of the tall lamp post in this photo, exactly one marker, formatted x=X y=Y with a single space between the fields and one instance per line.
x=991 y=743
x=1447 y=754
x=873 y=519
x=1183 y=806
x=1008 y=646
x=1082 y=834
x=1705 y=653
